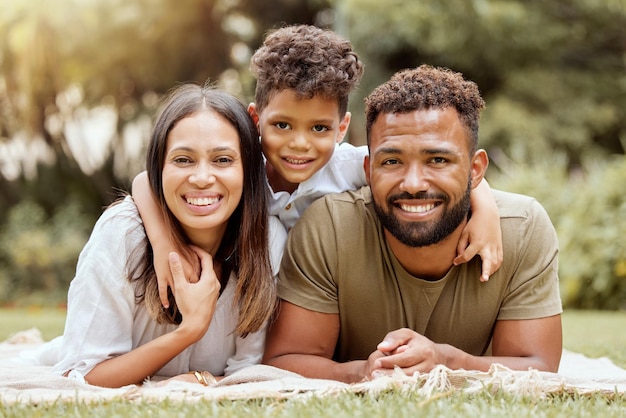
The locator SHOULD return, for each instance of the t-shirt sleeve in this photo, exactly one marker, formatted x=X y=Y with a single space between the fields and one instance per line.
x=101 y=300
x=306 y=273
x=534 y=288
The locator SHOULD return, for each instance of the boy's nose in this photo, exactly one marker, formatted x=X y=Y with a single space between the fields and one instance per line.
x=300 y=141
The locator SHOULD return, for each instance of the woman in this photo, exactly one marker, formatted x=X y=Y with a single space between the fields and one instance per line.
x=206 y=171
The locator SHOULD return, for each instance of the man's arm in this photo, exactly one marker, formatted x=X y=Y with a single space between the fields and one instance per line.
x=519 y=345
x=304 y=341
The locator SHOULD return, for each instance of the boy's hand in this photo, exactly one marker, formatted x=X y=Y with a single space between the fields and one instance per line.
x=472 y=243
x=482 y=235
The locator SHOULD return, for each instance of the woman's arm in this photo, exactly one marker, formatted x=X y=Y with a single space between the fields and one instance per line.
x=196 y=302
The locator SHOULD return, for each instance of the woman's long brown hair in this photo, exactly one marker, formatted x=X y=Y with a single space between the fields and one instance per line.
x=244 y=249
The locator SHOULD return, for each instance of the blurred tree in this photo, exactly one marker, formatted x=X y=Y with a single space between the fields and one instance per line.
x=61 y=60
x=552 y=72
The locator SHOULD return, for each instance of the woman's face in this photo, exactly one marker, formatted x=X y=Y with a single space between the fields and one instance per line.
x=203 y=174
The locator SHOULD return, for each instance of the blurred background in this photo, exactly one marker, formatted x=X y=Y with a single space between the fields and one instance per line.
x=80 y=81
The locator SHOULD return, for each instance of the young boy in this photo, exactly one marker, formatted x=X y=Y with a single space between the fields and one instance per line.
x=304 y=77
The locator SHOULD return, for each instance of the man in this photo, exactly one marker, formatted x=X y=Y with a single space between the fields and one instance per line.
x=368 y=281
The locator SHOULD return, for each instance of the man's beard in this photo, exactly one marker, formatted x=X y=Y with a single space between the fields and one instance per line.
x=422 y=234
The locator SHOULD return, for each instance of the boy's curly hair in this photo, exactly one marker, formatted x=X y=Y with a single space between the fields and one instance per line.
x=423 y=88
x=308 y=60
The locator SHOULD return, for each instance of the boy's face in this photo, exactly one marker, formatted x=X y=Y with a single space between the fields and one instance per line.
x=298 y=136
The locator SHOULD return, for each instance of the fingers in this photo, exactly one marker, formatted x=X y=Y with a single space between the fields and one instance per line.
x=394 y=340
x=162 y=286
x=486 y=271
x=176 y=268
x=491 y=259
x=461 y=248
x=207 y=271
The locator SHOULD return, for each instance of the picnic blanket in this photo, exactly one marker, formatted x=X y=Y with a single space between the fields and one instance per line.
x=29 y=384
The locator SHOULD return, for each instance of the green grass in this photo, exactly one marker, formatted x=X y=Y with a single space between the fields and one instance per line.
x=596 y=334
x=592 y=333
x=49 y=321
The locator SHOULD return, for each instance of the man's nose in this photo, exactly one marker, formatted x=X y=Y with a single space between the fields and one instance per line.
x=414 y=180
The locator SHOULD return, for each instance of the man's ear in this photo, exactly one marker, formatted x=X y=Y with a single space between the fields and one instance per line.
x=480 y=162
x=366 y=168
x=343 y=127
x=252 y=111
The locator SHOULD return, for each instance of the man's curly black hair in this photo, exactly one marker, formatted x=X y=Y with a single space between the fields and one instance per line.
x=427 y=87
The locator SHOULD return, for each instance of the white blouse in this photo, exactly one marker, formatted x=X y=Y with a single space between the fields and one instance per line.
x=105 y=321
x=343 y=172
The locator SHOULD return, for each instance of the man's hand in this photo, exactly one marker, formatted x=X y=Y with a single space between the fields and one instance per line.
x=408 y=350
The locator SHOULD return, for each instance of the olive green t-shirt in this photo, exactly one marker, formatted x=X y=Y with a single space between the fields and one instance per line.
x=337 y=261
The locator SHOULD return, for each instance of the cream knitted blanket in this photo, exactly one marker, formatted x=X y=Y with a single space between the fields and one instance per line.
x=34 y=384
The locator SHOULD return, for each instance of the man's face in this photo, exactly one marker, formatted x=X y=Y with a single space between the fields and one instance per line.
x=421 y=174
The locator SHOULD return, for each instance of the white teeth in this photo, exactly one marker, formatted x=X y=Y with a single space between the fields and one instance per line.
x=292 y=161
x=417 y=209
x=202 y=201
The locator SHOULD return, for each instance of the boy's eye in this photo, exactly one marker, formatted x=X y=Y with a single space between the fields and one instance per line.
x=282 y=125
x=320 y=128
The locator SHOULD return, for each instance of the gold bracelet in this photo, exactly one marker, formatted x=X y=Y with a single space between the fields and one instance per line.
x=204 y=378
x=208 y=378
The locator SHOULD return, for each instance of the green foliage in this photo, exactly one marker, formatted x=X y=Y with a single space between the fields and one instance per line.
x=551 y=72
x=38 y=255
x=588 y=210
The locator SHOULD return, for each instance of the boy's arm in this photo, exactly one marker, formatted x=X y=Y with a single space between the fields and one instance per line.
x=156 y=230
x=482 y=234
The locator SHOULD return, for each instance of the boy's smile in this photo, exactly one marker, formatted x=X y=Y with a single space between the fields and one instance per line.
x=298 y=136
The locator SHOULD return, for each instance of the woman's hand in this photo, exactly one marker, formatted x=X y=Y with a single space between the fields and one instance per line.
x=196 y=301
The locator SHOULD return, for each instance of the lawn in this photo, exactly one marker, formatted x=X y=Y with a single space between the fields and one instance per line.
x=592 y=333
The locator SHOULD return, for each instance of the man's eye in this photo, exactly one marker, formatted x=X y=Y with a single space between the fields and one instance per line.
x=390 y=161
x=320 y=128
x=282 y=125
x=439 y=160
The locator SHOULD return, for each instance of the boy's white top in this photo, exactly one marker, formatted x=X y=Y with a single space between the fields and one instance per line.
x=344 y=171
x=104 y=320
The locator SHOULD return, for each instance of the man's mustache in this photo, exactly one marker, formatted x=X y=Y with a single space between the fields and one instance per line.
x=417 y=196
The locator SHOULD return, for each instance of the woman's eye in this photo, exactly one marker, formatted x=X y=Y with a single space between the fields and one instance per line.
x=181 y=160
x=223 y=160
